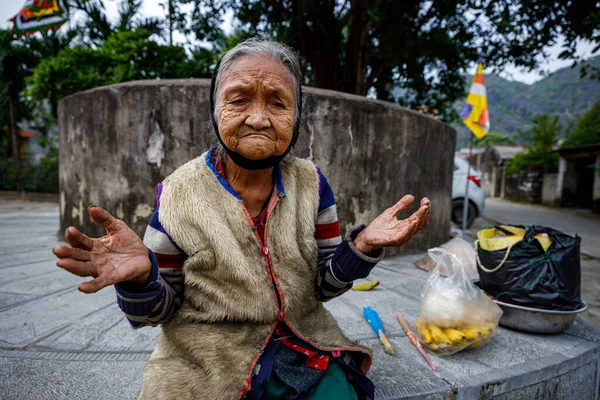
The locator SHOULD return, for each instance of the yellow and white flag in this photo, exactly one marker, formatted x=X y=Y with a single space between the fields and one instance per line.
x=475 y=111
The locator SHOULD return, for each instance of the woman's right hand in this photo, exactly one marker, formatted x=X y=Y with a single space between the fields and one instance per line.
x=120 y=256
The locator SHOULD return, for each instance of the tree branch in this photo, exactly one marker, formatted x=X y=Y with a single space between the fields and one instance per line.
x=277 y=5
x=346 y=18
x=342 y=9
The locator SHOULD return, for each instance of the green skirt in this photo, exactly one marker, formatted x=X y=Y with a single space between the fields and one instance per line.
x=333 y=385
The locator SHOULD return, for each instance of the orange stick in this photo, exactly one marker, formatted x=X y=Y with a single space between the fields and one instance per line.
x=413 y=339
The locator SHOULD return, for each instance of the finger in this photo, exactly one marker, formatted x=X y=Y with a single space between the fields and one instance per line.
x=427 y=216
x=79 y=268
x=103 y=218
x=78 y=239
x=425 y=201
x=409 y=228
x=402 y=204
x=417 y=215
x=424 y=221
x=420 y=217
x=62 y=251
x=425 y=224
x=423 y=216
x=95 y=285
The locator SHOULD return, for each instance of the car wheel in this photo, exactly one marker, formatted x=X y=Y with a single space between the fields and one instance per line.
x=457 y=213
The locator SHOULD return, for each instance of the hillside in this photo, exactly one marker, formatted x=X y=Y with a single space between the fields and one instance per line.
x=513 y=104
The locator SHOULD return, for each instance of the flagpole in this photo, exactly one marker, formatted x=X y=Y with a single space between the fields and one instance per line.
x=479 y=98
x=466 y=201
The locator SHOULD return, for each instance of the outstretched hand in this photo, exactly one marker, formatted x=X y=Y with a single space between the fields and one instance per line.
x=120 y=256
x=388 y=231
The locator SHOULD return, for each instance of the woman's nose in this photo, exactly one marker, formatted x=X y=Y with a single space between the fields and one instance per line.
x=258 y=119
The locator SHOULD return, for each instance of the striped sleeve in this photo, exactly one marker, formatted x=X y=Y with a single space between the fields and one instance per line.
x=156 y=303
x=327 y=228
x=339 y=262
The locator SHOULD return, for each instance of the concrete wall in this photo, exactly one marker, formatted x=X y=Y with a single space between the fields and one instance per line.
x=493 y=180
x=118 y=142
x=596 y=202
x=568 y=188
x=492 y=171
x=525 y=187
x=550 y=195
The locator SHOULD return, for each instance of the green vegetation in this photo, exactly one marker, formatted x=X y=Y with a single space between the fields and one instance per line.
x=586 y=130
x=513 y=105
x=37 y=71
x=493 y=138
x=22 y=175
x=414 y=52
x=17 y=61
x=76 y=69
x=96 y=28
x=539 y=154
x=420 y=48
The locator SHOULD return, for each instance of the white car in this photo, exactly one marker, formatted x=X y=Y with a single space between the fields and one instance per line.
x=476 y=193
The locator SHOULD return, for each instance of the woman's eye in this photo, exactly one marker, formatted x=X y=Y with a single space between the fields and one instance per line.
x=278 y=105
x=238 y=101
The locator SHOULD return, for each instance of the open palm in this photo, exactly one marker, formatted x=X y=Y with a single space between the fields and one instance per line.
x=120 y=256
x=388 y=231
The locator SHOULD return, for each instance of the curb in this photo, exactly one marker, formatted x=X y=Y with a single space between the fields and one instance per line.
x=29 y=196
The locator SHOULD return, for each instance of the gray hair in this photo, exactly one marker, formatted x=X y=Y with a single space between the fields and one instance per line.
x=277 y=51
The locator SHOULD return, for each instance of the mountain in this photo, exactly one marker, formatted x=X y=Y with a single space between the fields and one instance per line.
x=512 y=105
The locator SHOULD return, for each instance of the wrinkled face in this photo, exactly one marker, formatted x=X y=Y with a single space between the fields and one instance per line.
x=255 y=107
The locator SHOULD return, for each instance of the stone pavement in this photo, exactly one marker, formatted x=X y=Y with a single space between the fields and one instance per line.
x=571 y=221
x=57 y=343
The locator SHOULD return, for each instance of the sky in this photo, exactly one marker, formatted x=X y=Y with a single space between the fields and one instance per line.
x=151 y=8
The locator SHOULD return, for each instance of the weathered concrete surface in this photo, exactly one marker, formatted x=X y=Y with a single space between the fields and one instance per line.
x=550 y=196
x=118 y=142
x=596 y=196
x=57 y=343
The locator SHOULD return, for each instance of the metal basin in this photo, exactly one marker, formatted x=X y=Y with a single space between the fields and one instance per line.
x=536 y=320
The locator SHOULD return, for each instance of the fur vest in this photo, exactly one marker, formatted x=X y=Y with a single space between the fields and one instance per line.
x=236 y=289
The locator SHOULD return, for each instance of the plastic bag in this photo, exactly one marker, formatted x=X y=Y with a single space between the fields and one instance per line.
x=533 y=266
x=463 y=250
x=454 y=314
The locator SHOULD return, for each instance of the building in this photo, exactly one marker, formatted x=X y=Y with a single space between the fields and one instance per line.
x=577 y=183
x=493 y=167
x=472 y=155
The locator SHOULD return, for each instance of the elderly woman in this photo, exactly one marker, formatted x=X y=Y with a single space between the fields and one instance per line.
x=241 y=252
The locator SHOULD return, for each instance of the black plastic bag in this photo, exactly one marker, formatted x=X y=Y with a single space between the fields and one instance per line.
x=531 y=277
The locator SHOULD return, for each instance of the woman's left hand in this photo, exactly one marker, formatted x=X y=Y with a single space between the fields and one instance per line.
x=388 y=231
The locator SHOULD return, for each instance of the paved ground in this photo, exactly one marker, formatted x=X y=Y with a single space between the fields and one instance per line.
x=57 y=343
x=582 y=222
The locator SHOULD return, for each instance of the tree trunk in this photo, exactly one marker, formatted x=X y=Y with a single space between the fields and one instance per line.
x=326 y=65
x=13 y=131
x=53 y=98
x=321 y=46
x=356 y=51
